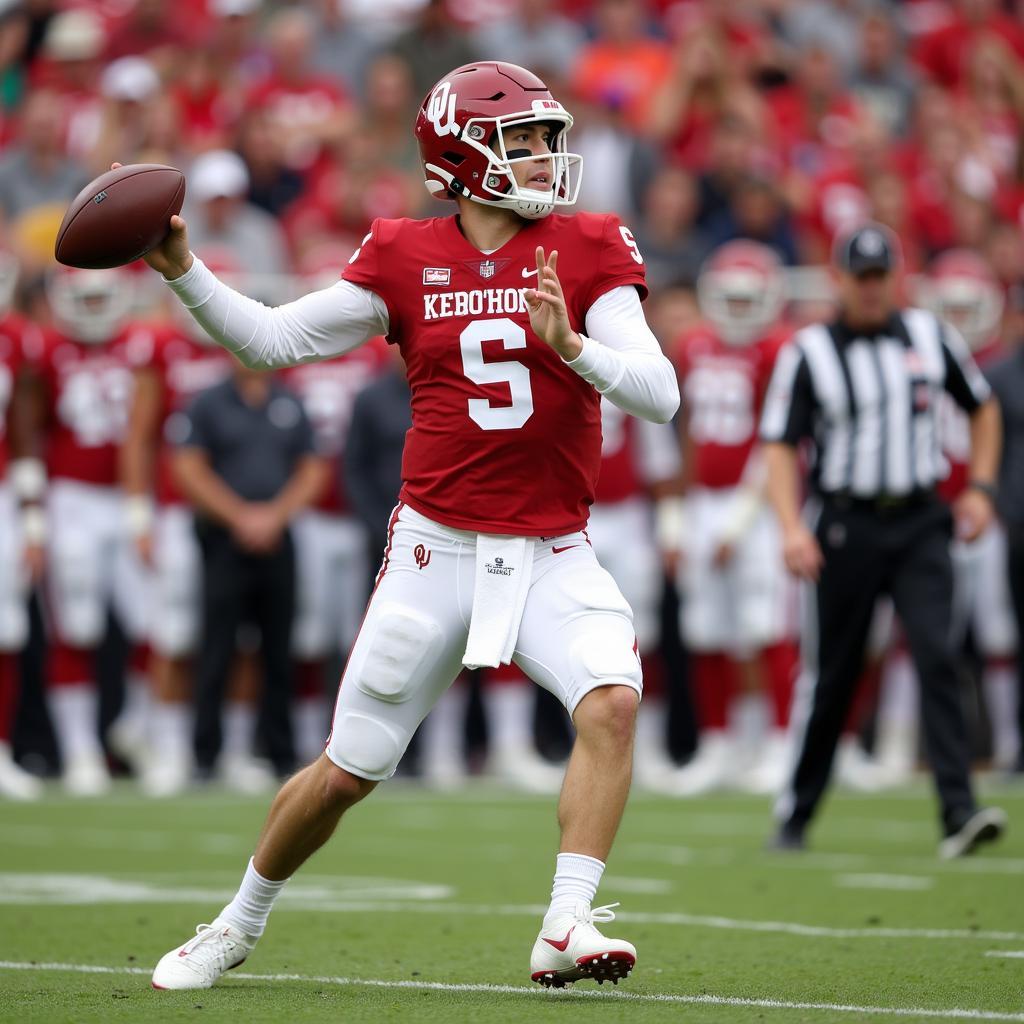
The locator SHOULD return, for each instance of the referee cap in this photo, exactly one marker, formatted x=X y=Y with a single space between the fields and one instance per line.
x=870 y=247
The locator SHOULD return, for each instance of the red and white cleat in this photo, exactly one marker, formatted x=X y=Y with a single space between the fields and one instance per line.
x=198 y=963
x=570 y=948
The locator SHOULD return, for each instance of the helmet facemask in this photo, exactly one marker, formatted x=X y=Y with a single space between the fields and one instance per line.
x=740 y=302
x=498 y=185
x=90 y=306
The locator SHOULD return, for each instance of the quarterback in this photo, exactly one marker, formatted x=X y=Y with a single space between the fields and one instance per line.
x=513 y=321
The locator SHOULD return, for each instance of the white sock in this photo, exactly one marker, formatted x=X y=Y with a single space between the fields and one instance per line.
x=999 y=684
x=443 y=732
x=75 y=711
x=509 y=708
x=577 y=877
x=249 y=910
x=137 y=698
x=172 y=731
x=239 y=729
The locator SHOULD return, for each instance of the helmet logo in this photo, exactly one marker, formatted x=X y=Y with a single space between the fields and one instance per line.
x=441 y=110
x=476 y=132
x=493 y=181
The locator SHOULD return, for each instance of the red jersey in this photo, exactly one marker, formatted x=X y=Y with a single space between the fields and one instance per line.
x=89 y=391
x=505 y=438
x=723 y=387
x=955 y=431
x=12 y=328
x=185 y=367
x=621 y=477
x=328 y=391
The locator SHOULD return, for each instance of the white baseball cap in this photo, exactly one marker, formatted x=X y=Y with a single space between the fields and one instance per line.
x=129 y=78
x=219 y=173
x=74 y=35
x=234 y=8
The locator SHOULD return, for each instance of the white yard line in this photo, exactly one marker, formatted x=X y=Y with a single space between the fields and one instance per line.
x=703 y=999
x=1006 y=954
x=894 y=883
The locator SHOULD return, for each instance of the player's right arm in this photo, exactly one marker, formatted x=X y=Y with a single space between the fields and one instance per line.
x=319 y=325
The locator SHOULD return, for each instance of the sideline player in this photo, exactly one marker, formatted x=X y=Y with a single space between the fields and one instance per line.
x=734 y=586
x=486 y=559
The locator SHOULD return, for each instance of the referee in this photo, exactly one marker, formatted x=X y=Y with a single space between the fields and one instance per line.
x=864 y=390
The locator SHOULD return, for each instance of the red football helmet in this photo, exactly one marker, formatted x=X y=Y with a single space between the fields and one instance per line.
x=459 y=130
x=91 y=306
x=740 y=291
x=962 y=289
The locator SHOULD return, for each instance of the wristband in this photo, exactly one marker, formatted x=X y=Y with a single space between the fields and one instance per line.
x=670 y=523
x=138 y=514
x=33 y=526
x=28 y=479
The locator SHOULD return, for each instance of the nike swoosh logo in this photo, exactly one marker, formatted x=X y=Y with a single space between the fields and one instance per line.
x=529 y=273
x=563 y=945
x=558 y=551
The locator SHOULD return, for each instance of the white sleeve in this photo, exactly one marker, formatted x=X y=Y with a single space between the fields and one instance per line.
x=622 y=358
x=318 y=326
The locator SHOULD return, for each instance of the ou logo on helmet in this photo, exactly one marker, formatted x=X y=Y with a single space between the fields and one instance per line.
x=441 y=110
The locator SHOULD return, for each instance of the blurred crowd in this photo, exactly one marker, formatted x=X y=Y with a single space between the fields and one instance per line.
x=776 y=124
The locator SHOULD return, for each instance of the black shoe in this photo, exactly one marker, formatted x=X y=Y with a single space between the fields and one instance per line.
x=981 y=826
x=788 y=839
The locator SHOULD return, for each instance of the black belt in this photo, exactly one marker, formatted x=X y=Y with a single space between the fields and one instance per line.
x=882 y=502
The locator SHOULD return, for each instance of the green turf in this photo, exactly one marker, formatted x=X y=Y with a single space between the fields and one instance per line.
x=402 y=894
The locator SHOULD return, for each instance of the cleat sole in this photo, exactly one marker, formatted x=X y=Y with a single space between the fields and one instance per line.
x=613 y=966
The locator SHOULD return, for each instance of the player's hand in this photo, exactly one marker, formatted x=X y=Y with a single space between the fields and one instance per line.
x=802 y=553
x=34 y=559
x=973 y=514
x=144 y=548
x=722 y=555
x=258 y=527
x=546 y=306
x=172 y=257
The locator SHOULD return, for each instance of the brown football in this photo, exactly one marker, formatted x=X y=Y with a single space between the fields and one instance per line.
x=120 y=216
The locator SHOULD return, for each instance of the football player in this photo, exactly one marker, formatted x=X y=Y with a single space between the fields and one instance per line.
x=21 y=527
x=962 y=289
x=184 y=361
x=737 y=602
x=85 y=371
x=513 y=320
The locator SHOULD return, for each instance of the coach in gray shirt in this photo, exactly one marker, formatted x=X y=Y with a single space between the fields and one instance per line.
x=1007 y=380
x=246 y=461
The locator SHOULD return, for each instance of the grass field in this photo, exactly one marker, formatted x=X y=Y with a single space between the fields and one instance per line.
x=425 y=907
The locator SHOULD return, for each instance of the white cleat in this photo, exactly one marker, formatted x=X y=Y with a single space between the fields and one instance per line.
x=167 y=779
x=569 y=948
x=771 y=773
x=86 y=776
x=247 y=775
x=714 y=767
x=213 y=950
x=527 y=771
x=855 y=769
x=126 y=737
x=15 y=782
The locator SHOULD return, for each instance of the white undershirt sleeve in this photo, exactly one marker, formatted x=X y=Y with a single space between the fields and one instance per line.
x=318 y=326
x=622 y=358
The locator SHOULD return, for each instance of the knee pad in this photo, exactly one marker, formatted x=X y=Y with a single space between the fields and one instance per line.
x=365 y=745
x=402 y=646
x=600 y=658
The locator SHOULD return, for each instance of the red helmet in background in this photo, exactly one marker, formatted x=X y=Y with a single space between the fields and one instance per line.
x=91 y=306
x=740 y=291
x=962 y=289
x=462 y=118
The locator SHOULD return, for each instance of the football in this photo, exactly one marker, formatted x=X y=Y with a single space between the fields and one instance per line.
x=120 y=216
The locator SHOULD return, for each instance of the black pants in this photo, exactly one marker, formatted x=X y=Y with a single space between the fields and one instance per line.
x=1015 y=569
x=240 y=587
x=868 y=552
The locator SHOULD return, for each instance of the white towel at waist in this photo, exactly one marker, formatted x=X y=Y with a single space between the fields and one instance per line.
x=503 y=569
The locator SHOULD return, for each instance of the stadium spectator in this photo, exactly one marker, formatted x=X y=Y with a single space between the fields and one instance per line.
x=624 y=66
x=533 y=34
x=758 y=213
x=153 y=29
x=880 y=80
x=246 y=460
x=222 y=218
x=130 y=87
x=827 y=26
x=666 y=231
x=390 y=107
x=273 y=185
x=432 y=45
x=342 y=47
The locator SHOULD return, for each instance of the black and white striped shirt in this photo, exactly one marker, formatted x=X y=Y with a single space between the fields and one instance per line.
x=870 y=403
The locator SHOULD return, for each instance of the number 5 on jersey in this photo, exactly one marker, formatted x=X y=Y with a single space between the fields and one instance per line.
x=514 y=374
